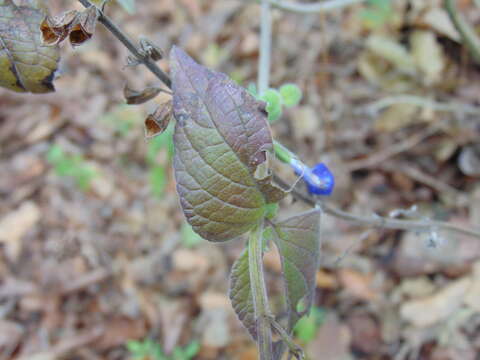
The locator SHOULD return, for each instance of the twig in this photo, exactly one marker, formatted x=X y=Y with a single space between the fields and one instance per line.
x=313 y=8
x=467 y=32
x=379 y=221
x=375 y=107
x=120 y=35
x=68 y=345
x=265 y=47
x=382 y=155
x=395 y=224
x=259 y=293
x=460 y=198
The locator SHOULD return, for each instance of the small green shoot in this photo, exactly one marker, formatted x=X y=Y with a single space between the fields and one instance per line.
x=306 y=328
x=291 y=94
x=128 y=5
x=162 y=141
x=288 y=95
x=122 y=118
x=151 y=350
x=377 y=14
x=157 y=173
x=73 y=166
x=158 y=179
x=274 y=104
x=190 y=238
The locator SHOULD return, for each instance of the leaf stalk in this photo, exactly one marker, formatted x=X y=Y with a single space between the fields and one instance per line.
x=259 y=293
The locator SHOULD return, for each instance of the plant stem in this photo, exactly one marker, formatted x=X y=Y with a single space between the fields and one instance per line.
x=313 y=8
x=467 y=32
x=361 y=220
x=265 y=47
x=259 y=293
x=120 y=35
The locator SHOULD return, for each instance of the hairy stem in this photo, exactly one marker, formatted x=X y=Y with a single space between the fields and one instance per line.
x=265 y=47
x=124 y=39
x=313 y=8
x=259 y=293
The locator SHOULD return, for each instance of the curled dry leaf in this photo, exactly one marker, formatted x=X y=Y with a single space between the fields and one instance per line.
x=135 y=97
x=221 y=140
x=156 y=123
x=77 y=26
x=25 y=64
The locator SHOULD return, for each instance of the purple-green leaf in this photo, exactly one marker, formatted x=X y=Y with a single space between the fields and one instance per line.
x=221 y=143
x=298 y=242
x=241 y=294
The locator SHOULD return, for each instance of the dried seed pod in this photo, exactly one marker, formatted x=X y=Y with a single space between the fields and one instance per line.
x=157 y=122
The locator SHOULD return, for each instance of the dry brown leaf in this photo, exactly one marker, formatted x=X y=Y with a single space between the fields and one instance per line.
x=438 y=307
x=26 y=65
x=358 y=284
x=396 y=117
x=15 y=225
x=472 y=298
x=428 y=55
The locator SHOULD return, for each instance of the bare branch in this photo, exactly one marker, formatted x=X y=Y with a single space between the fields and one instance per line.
x=313 y=8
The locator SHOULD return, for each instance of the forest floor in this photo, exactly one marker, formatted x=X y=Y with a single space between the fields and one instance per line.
x=95 y=252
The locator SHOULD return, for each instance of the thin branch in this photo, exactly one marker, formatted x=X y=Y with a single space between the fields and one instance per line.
x=375 y=107
x=467 y=32
x=265 y=47
x=313 y=8
x=120 y=35
x=259 y=293
x=380 y=156
x=379 y=221
x=388 y=223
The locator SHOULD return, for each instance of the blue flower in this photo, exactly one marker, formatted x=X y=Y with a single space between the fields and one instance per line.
x=319 y=179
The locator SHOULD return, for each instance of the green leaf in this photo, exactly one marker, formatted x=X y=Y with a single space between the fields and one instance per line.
x=298 y=242
x=221 y=142
x=274 y=104
x=162 y=141
x=190 y=238
x=306 y=328
x=128 y=5
x=55 y=154
x=291 y=94
x=252 y=89
x=241 y=295
x=158 y=179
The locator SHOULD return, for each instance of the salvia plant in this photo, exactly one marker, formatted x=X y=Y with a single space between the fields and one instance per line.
x=223 y=149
